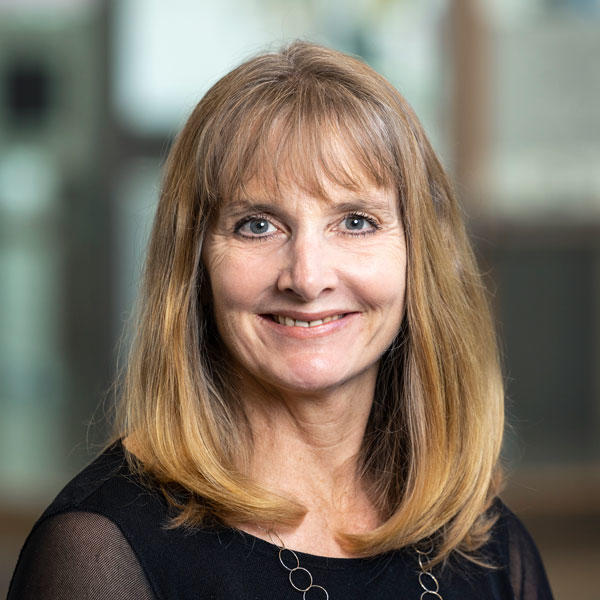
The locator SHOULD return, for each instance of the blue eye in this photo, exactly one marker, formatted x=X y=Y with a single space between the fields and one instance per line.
x=255 y=227
x=259 y=226
x=359 y=223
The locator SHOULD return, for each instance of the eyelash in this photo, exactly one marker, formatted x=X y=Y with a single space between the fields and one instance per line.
x=261 y=238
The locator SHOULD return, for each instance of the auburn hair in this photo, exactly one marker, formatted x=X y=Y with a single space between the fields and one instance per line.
x=431 y=448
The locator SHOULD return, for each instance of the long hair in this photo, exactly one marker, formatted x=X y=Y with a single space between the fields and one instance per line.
x=431 y=447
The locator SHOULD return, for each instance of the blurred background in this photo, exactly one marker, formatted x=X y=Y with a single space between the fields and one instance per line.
x=91 y=94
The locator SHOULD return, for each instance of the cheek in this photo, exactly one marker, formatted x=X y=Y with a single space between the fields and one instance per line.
x=236 y=285
x=382 y=278
x=389 y=295
x=229 y=294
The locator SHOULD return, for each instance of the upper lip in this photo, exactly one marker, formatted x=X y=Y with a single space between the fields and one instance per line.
x=304 y=316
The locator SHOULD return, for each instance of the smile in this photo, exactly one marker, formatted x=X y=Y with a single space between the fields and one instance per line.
x=307 y=326
x=289 y=322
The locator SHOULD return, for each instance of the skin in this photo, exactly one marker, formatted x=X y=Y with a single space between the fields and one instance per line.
x=308 y=391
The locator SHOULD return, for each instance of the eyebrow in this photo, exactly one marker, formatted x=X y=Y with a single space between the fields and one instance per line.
x=361 y=203
x=235 y=207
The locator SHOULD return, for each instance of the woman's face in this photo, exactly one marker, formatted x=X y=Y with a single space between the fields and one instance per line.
x=308 y=293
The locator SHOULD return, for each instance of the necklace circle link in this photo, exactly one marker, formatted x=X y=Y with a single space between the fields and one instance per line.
x=283 y=549
x=316 y=587
x=297 y=587
x=423 y=575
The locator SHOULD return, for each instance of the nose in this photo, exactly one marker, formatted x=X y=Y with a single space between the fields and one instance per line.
x=309 y=268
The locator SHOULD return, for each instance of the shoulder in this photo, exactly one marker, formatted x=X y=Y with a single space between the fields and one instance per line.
x=90 y=535
x=78 y=555
x=516 y=555
x=106 y=498
x=107 y=526
x=509 y=531
x=107 y=487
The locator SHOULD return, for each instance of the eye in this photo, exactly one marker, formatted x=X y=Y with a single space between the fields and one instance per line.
x=255 y=227
x=360 y=223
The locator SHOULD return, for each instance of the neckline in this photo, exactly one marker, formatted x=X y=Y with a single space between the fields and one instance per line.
x=269 y=549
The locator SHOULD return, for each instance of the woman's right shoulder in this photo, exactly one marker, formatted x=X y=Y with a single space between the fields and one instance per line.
x=78 y=554
x=83 y=545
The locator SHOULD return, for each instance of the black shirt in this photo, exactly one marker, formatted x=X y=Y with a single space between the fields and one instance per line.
x=104 y=537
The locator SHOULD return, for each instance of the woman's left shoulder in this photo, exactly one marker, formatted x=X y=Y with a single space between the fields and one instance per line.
x=516 y=554
x=508 y=530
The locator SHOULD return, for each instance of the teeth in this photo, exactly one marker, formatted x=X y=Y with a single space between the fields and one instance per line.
x=297 y=323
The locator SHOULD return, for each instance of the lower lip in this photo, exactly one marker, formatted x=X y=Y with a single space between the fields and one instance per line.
x=303 y=333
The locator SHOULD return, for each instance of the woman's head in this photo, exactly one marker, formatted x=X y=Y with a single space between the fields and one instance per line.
x=306 y=119
x=312 y=123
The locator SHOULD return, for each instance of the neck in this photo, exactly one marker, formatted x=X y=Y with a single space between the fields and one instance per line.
x=307 y=446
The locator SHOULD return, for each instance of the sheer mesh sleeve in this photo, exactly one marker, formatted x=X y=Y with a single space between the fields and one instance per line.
x=527 y=574
x=78 y=555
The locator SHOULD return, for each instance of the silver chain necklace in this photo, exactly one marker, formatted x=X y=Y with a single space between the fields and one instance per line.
x=427 y=580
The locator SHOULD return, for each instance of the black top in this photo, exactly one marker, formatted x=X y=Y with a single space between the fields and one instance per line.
x=103 y=537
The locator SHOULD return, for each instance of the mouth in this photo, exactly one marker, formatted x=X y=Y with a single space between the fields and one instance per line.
x=290 y=322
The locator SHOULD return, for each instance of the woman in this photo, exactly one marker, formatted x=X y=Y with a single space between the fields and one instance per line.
x=313 y=406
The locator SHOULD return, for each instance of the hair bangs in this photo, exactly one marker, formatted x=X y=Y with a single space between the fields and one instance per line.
x=304 y=137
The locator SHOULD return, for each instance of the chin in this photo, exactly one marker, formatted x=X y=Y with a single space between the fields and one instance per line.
x=315 y=380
